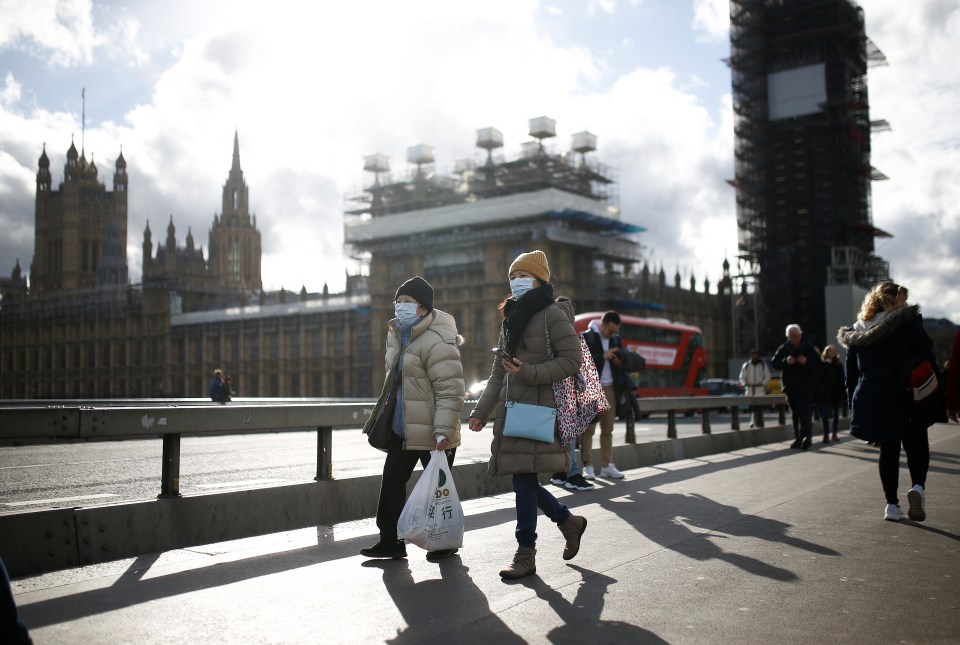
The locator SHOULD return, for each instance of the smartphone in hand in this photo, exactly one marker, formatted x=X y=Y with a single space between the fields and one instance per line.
x=501 y=354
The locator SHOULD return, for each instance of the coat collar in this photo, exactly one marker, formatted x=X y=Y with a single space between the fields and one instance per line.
x=861 y=335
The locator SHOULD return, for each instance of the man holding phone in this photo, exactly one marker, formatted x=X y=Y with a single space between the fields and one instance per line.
x=603 y=339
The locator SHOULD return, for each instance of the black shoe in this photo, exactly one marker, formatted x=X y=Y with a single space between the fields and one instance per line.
x=440 y=554
x=806 y=444
x=826 y=440
x=559 y=479
x=577 y=482
x=795 y=444
x=383 y=549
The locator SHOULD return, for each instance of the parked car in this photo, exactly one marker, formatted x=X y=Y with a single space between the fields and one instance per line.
x=725 y=387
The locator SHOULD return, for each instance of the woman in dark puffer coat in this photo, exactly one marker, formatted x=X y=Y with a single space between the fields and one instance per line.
x=530 y=373
x=883 y=345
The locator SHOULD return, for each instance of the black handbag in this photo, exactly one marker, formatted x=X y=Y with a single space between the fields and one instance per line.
x=380 y=432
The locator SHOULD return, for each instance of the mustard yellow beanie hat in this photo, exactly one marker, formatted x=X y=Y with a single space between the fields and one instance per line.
x=534 y=263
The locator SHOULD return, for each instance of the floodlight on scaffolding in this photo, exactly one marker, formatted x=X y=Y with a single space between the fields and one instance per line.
x=489 y=139
x=543 y=127
x=583 y=142
x=420 y=154
x=376 y=163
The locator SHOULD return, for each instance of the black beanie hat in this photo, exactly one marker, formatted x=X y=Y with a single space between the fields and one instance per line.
x=418 y=289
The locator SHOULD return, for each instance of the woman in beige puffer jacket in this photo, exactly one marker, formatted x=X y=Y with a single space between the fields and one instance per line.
x=529 y=373
x=423 y=350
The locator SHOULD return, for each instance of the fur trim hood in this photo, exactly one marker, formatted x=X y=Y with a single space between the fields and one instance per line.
x=864 y=333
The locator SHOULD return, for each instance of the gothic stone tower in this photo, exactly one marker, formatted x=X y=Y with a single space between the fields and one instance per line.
x=74 y=226
x=234 y=238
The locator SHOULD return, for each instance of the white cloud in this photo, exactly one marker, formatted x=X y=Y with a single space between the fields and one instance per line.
x=58 y=31
x=10 y=93
x=711 y=20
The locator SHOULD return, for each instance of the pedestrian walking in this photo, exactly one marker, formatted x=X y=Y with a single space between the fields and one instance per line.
x=423 y=391
x=883 y=344
x=531 y=320
x=831 y=392
x=609 y=356
x=754 y=376
x=799 y=364
x=217 y=386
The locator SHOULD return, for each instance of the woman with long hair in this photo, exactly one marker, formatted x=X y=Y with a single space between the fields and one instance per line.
x=883 y=345
x=532 y=320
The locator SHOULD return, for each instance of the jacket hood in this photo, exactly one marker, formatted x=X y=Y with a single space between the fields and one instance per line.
x=445 y=324
x=594 y=325
x=864 y=333
x=566 y=306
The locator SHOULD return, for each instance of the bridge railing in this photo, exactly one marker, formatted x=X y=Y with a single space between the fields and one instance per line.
x=49 y=539
x=30 y=423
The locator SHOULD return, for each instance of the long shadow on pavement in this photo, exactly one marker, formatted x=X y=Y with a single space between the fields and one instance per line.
x=427 y=606
x=130 y=590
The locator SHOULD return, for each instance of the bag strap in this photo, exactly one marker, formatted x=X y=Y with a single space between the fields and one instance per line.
x=550 y=353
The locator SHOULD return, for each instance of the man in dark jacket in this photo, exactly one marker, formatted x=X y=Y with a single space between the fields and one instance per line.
x=612 y=360
x=799 y=364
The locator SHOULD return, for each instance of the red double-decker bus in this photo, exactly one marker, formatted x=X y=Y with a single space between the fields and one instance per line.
x=674 y=354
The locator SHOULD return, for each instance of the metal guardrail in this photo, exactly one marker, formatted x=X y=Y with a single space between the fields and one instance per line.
x=50 y=539
x=41 y=422
x=65 y=423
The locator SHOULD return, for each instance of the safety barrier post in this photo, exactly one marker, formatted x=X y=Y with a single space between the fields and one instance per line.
x=170 y=471
x=324 y=453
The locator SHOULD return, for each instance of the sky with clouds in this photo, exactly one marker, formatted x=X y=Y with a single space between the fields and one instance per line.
x=313 y=87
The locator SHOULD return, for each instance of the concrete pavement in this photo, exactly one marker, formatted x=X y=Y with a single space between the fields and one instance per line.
x=762 y=545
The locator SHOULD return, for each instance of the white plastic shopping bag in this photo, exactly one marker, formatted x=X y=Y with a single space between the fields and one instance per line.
x=432 y=517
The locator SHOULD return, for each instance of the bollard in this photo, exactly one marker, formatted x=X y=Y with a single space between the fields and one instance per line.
x=324 y=453
x=705 y=420
x=671 y=424
x=170 y=471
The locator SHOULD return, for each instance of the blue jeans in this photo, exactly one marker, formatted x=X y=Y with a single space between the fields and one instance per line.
x=574 y=465
x=530 y=496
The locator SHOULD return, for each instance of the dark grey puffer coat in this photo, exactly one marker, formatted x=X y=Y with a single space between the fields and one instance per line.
x=534 y=384
x=879 y=355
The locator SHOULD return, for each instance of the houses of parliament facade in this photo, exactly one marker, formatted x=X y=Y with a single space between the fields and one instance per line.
x=78 y=329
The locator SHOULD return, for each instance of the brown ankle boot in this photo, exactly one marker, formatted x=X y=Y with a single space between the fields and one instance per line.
x=524 y=564
x=572 y=530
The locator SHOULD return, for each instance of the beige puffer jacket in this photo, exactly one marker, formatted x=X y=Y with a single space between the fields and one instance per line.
x=432 y=381
x=534 y=385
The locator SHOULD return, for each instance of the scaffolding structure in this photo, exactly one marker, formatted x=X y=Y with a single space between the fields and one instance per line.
x=535 y=168
x=802 y=153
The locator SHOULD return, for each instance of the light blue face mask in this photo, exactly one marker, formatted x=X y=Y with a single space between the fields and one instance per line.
x=406 y=312
x=520 y=286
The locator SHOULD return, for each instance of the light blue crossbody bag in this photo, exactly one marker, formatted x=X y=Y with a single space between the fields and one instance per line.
x=527 y=421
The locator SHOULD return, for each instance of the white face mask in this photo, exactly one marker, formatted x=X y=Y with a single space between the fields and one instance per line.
x=520 y=286
x=406 y=312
